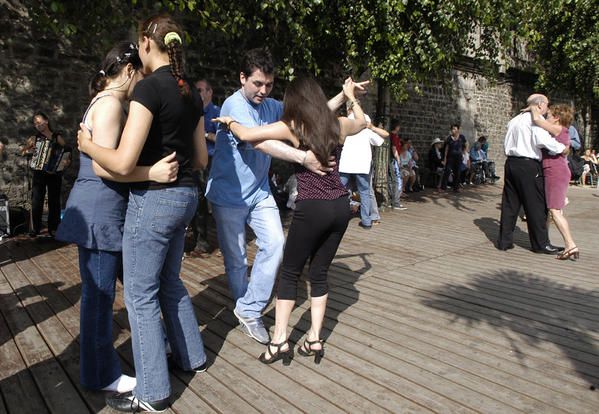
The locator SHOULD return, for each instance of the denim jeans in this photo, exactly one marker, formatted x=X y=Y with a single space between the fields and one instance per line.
x=251 y=297
x=99 y=363
x=363 y=184
x=153 y=242
x=396 y=192
x=374 y=208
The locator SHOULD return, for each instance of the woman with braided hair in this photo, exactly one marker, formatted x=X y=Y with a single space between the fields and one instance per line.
x=94 y=217
x=165 y=116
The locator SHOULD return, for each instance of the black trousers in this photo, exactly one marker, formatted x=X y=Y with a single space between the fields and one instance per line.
x=453 y=165
x=523 y=186
x=315 y=233
x=42 y=180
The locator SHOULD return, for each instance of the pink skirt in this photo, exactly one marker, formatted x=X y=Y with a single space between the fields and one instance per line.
x=557 y=179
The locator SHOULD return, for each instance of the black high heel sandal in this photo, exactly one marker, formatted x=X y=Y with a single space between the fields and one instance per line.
x=306 y=350
x=286 y=356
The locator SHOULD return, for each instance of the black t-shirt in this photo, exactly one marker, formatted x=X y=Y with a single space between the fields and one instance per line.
x=175 y=120
x=455 y=147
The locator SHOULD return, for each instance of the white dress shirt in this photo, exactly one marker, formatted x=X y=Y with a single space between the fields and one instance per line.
x=523 y=139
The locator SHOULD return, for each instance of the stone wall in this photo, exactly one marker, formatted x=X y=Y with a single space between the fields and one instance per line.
x=480 y=106
x=37 y=73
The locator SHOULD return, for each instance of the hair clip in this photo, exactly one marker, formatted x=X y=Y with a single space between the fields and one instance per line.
x=101 y=72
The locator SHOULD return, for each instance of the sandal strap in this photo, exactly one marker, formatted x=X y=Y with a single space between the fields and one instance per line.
x=278 y=346
x=308 y=344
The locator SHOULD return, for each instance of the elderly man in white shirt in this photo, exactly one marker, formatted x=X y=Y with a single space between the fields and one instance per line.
x=524 y=184
x=355 y=161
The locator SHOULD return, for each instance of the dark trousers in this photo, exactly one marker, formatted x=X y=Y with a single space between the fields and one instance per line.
x=523 y=186
x=199 y=223
x=40 y=181
x=315 y=233
x=453 y=165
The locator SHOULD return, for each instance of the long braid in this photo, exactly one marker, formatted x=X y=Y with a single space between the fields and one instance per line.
x=175 y=57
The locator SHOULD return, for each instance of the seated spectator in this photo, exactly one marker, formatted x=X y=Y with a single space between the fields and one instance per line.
x=488 y=165
x=435 y=161
x=465 y=166
x=477 y=159
x=406 y=164
x=415 y=159
x=590 y=167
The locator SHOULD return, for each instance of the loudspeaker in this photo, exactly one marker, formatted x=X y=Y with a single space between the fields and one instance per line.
x=19 y=220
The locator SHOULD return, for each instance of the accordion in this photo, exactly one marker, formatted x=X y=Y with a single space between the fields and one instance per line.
x=48 y=156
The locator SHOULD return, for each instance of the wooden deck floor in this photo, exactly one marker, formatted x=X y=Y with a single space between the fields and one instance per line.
x=424 y=316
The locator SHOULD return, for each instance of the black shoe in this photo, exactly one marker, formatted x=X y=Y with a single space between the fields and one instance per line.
x=128 y=403
x=504 y=248
x=307 y=350
x=549 y=249
x=201 y=368
x=270 y=357
x=364 y=226
x=33 y=234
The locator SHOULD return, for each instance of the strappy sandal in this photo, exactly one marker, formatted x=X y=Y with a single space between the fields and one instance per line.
x=306 y=350
x=572 y=254
x=269 y=357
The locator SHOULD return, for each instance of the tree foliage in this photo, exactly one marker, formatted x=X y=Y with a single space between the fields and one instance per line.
x=399 y=42
x=564 y=35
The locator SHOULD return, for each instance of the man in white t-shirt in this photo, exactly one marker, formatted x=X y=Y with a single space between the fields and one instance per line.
x=355 y=161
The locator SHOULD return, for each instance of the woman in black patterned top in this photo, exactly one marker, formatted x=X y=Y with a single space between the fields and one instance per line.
x=322 y=211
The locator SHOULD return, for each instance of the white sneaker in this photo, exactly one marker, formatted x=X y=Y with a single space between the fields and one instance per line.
x=400 y=207
x=124 y=383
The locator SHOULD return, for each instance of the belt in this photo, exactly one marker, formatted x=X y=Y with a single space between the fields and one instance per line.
x=516 y=157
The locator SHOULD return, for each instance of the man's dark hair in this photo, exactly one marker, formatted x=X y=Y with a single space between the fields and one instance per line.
x=259 y=58
x=455 y=124
x=394 y=124
x=40 y=114
x=482 y=139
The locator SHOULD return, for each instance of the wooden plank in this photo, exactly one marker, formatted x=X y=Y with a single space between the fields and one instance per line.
x=184 y=400
x=19 y=391
x=57 y=390
x=382 y=335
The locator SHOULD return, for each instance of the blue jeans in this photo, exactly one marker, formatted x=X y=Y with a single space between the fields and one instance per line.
x=363 y=184
x=153 y=242
x=99 y=364
x=251 y=297
x=396 y=193
x=374 y=208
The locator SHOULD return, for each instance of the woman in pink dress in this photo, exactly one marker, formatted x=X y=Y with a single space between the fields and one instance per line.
x=557 y=173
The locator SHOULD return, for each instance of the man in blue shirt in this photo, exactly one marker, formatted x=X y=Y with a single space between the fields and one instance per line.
x=574 y=138
x=199 y=224
x=239 y=191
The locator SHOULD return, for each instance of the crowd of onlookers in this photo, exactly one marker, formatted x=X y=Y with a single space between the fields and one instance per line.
x=452 y=162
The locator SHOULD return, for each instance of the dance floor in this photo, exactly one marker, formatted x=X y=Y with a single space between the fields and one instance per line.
x=424 y=315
